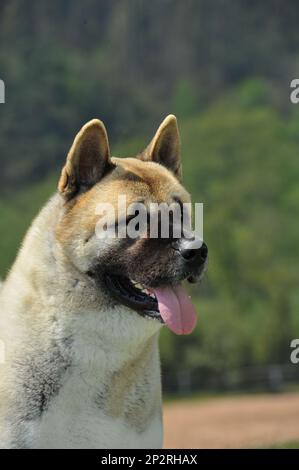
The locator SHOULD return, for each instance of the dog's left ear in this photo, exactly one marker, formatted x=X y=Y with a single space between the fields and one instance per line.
x=88 y=160
x=165 y=148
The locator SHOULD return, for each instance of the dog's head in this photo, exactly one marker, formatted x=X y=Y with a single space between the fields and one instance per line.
x=143 y=271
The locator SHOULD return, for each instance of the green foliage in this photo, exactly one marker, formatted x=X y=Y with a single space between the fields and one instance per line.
x=185 y=100
x=242 y=163
x=224 y=70
x=253 y=93
x=285 y=445
x=16 y=214
x=129 y=62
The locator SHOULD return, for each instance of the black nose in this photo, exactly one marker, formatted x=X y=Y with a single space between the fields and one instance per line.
x=189 y=253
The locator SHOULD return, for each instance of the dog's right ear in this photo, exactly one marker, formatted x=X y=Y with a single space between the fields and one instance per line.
x=165 y=147
x=88 y=160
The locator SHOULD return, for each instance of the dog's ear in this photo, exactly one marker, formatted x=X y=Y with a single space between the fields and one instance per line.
x=88 y=160
x=165 y=148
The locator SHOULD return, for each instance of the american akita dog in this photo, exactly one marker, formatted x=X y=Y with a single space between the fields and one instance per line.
x=81 y=365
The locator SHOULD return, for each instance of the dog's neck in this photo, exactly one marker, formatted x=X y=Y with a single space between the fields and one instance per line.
x=61 y=293
x=102 y=360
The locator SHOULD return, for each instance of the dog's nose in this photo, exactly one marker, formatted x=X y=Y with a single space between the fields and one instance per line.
x=190 y=253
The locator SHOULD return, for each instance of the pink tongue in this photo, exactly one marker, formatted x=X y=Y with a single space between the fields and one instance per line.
x=176 y=309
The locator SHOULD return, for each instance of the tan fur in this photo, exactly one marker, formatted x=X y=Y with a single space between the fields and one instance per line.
x=92 y=140
x=81 y=371
x=155 y=184
x=166 y=140
x=138 y=415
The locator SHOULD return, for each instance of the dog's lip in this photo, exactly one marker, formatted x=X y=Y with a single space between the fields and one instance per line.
x=133 y=295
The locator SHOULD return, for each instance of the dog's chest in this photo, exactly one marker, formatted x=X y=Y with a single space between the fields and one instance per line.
x=69 y=425
x=93 y=411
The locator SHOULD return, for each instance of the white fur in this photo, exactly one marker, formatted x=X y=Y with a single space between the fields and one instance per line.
x=43 y=285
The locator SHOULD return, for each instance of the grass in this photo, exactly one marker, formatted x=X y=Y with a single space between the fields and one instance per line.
x=285 y=445
x=214 y=394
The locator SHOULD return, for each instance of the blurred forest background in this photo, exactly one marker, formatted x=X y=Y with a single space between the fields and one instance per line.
x=224 y=68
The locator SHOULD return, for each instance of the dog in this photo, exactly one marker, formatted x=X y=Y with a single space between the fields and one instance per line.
x=80 y=315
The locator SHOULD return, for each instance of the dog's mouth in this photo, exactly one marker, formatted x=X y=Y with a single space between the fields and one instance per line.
x=170 y=305
x=134 y=295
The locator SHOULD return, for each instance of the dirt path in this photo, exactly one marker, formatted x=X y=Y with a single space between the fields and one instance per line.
x=235 y=422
